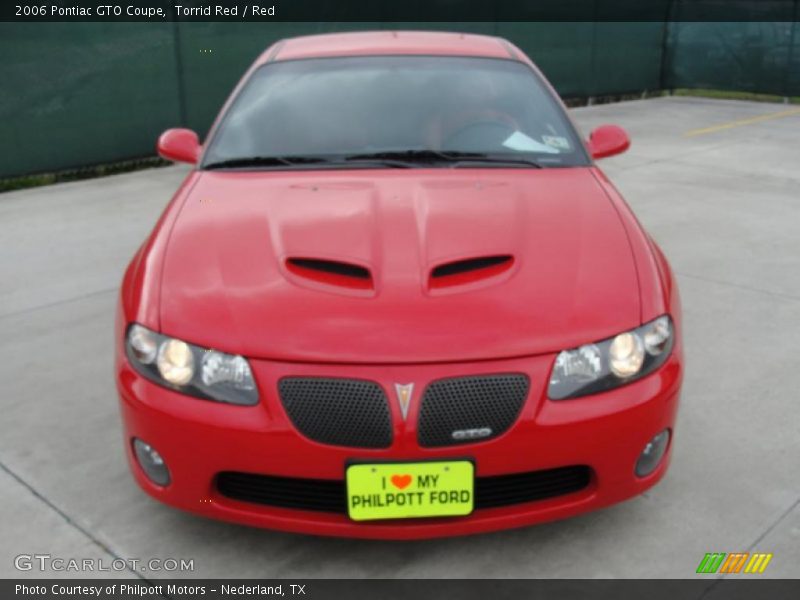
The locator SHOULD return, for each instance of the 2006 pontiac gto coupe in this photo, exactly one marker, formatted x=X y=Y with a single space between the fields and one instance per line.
x=395 y=298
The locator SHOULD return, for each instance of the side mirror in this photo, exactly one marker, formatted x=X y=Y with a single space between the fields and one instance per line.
x=608 y=140
x=181 y=145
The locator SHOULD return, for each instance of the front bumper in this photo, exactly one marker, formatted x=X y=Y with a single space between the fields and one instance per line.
x=199 y=439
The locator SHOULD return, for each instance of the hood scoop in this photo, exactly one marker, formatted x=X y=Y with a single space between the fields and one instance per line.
x=329 y=272
x=469 y=270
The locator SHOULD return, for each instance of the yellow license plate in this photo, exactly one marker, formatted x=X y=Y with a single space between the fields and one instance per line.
x=406 y=490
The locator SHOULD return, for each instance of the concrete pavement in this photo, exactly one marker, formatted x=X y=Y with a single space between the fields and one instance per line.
x=724 y=206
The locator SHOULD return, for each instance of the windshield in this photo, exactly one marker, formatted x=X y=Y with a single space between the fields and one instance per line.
x=394 y=111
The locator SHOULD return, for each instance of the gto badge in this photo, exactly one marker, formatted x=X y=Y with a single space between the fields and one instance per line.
x=471 y=434
x=404 y=391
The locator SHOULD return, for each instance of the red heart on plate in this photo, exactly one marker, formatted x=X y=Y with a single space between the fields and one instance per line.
x=401 y=481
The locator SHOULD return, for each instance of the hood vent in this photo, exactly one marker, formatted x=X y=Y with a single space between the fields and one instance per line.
x=467 y=270
x=331 y=272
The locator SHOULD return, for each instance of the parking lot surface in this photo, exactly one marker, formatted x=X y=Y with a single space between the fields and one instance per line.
x=715 y=182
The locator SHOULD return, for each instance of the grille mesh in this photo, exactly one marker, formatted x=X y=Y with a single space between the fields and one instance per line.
x=284 y=492
x=503 y=490
x=341 y=412
x=465 y=403
x=328 y=495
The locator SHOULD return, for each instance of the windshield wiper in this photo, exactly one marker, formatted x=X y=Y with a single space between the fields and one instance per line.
x=412 y=158
x=300 y=161
x=454 y=158
x=264 y=161
x=498 y=160
x=402 y=159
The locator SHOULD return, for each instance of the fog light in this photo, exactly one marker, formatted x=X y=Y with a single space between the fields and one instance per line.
x=652 y=454
x=151 y=462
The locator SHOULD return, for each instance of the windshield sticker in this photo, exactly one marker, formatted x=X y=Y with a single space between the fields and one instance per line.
x=523 y=143
x=556 y=141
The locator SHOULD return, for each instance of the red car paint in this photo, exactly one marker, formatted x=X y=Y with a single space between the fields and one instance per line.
x=214 y=272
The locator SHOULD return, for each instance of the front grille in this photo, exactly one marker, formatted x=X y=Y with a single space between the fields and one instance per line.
x=470 y=409
x=328 y=495
x=341 y=412
x=325 y=495
x=503 y=490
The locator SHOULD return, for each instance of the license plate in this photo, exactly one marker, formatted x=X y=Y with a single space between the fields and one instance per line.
x=407 y=490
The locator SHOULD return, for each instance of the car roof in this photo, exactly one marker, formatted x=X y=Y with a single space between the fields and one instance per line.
x=370 y=43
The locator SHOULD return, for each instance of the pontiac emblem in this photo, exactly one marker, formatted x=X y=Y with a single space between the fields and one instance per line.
x=404 y=392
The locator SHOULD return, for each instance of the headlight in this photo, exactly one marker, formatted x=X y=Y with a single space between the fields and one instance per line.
x=189 y=369
x=143 y=344
x=613 y=362
x=175 y=362
x=626 y=355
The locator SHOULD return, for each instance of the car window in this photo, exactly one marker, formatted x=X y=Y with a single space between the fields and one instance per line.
x=360 y=105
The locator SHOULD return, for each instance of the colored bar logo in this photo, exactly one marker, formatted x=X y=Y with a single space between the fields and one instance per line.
x=736 y=562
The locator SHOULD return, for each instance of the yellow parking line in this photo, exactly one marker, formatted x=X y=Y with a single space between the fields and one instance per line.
x=740 y=122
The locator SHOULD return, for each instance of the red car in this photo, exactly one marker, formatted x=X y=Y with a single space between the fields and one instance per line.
x=395 y=298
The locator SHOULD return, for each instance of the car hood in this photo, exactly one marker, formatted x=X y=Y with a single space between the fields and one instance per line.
x=552 y=265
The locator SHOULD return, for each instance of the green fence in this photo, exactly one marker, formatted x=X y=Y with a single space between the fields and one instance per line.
x=78 y=94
